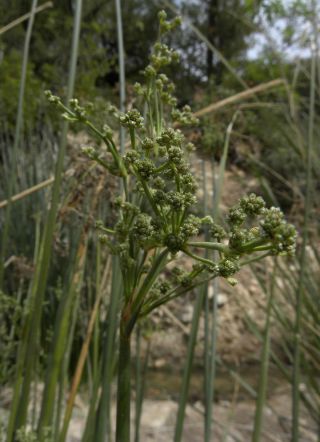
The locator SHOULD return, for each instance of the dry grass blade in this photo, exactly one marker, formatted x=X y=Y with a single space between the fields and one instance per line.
x=242 y=95
x=175 y=320
x=24 y=17
x=27 y=192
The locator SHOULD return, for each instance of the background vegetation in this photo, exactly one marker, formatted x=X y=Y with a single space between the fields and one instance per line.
x=59 y=290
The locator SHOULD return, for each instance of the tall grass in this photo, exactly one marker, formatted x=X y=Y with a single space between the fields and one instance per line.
x=302 y=261
x=16 y=142
x=28 y=346
x=265 y=356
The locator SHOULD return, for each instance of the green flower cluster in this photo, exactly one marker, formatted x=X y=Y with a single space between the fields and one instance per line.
x=131 y=119
x=166 y=25
x=184 y=116
x=155 y=220
x=272 y=233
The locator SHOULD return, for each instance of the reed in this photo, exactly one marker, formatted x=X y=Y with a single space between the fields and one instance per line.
x=265 y=354
x=28 y=347
x=302 y=261
x=16 y=142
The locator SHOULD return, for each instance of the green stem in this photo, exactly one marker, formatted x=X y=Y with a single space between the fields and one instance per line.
x=132 y=138
x=158 y=265
x=174 y=293
x=209 y=245
x=163 y=167
x=198 y=258
x=101 y=419
x=147 y=192
x=253 y=244
x=296 y=379
x=157 y=113
x=254 y=259
x=122 y=78
x=184 y=389
x=265 y=356
x=124 y=386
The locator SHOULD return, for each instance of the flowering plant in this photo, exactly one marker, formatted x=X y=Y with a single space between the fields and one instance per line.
x=155 y=221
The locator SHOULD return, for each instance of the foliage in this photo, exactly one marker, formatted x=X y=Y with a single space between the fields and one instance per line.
x=10 y=78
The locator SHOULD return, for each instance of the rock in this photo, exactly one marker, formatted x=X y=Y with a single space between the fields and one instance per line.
x=157 y=415
x=221 y=299
x=187 y=313
x=159 y=363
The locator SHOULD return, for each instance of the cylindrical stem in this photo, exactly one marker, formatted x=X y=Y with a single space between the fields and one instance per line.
x=124 y=388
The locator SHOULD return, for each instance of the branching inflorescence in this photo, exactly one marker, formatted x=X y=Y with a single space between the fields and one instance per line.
x=155 y=220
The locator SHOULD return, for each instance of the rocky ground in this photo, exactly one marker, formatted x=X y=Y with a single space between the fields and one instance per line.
x=232 y=420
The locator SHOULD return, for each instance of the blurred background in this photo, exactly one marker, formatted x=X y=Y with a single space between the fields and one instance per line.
x=250 y=70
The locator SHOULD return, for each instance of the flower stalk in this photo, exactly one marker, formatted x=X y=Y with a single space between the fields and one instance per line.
x=155 y=220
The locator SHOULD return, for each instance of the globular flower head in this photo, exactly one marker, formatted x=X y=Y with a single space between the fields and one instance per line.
x=170 y=137
x=121 y=230
x=90 y=152
x=165 y=25
x=184 y=116
x=54 y=99
x=126 y=207
x=145 y=168
x=175 y=154
x=131 y=157
x=107 y=131
x=217 y=232
x=213 y=269
x=236 y=216
x=173 y=242
x=78 y=110
x=159 y=183
x=142 y=229
x=148 y=144
x=132 y=119
x=183 y=167
x=228 y=267
x=189 y=199
x=190 y=227
x=139 y=89
x=160 y=197
x=175 y=200
x=163 y=56
x=149 y=71
x=252 y=204
x=168 y=98
x=286 y=237
x=188 y=182
x=273 y=218
x=238 y=238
